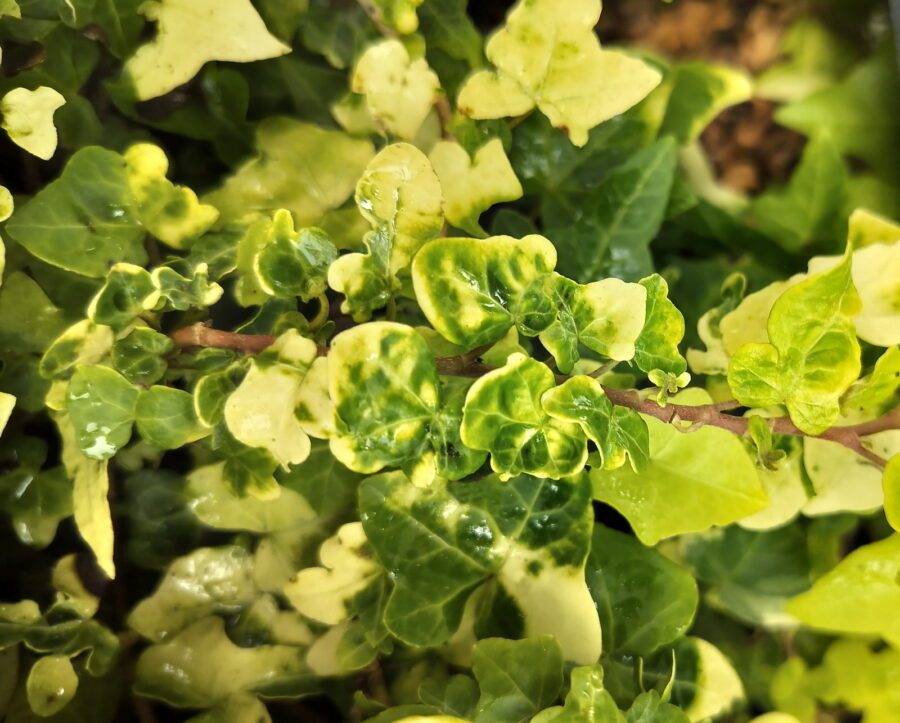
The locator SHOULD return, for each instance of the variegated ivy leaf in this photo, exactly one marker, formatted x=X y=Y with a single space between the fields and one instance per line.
x=503 y=415
x=260 y=412
x=81 y=344
x=398 y=14
x=548 y=56
x=201 y=667
x=138 y=355
x=189 y=34
x=683 y=489
x=867 y=228
x=400 y=196
x=878 y=392
x=28 y=119
x=306 y=169
x=165 y=418
x=131 y=290
x=90 y=486
x=876 y=276
x=473 y=184
x=7 y=404
x=101 y=404
x=208 y=580
x=858 y=596
x=294 y=263
x=892 y=492
x=656 y=349
x=442 y=542
x=605 y=316
x=617 y=431
x=324 y=593
x=390 y=410
x=812 y=356
x=171 y=213
x=399 y=89
x=7 y=204
x=470 y=290
x=587 y=700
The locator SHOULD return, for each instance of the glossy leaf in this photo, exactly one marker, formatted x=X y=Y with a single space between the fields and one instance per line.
x=470 y=289
x=657 y=346
x=617 y=431
x=400 y=196
x=51 y=684
x=552 y=60
x=101 y=404
x=503 y=415
x=586 y=700
x=164 y=417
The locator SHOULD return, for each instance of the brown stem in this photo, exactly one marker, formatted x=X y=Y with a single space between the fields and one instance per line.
x=467 y=365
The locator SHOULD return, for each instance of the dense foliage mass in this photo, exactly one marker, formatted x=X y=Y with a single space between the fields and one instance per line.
x=357 y=365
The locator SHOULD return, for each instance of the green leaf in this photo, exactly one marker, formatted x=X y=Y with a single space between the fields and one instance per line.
x=752 y=574
x=121 y=21
x=878 y=392
x=617 y=431
x=52 y=683
x=455 y=696
x=552 y=60
x=449 y=33
x=400 y=196
x=398 y=14
x=699 y=92
x=36 y=502
x=621 y=216
x=399 y=89
x=503 y=415
x=384 y=386
x=232 y=31
x=128 y=292
x=210 y=580
x=657 y=346
x=857 y=596
x=138 y=356
x=165 y=417
x=813 y=355
x=517 y=678
x=644 y=600
x=470 y=289
x=532 y=534
x=294 y=263
x=238 y=708
x=171 y=213
x=28 y=119
x=200 y=667
x=83 y=222
x=585 y=701
x=650 y=708
x=859 y=114
x=332 y=163
x=471 y=185
x=453 y=459
x=260 y=412
x=810 y=209
x=101 y=404
x=684 y=488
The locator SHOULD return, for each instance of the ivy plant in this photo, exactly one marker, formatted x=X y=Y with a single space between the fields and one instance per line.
x=366 y=362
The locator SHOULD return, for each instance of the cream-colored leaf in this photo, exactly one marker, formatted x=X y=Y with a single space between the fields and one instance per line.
x=28 y=119
x=189 y=34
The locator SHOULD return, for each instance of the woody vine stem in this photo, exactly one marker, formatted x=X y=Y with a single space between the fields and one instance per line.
x=468 y=365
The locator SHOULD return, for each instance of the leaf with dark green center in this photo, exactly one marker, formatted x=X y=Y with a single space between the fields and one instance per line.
x=617 y=431
x=294 y=263
x=470 y=289
x=503 y=415
x=165 y=418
